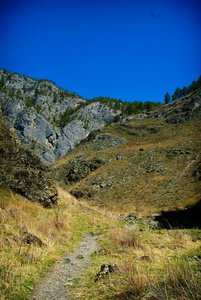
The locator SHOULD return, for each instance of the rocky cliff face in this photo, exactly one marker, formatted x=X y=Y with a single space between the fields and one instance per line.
x=87 y=119
x=35 y=108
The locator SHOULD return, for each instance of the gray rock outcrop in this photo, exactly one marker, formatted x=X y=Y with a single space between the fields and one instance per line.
x=89 y=118
x=34 y=109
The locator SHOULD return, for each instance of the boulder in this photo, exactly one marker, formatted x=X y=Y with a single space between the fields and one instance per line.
x=76 y=170
x=106 y=269
x=31 y=239
x=106 y=184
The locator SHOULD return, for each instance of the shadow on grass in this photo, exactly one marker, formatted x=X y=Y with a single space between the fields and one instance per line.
x=186 y=218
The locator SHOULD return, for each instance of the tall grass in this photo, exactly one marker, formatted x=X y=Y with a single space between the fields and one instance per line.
x=60 y=229
x=125 y=237
x=153 y=265
x=177 y=280
x=21 y=263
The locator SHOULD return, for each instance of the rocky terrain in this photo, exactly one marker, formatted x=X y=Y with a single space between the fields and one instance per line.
x=51 y=121
x=180 y=110
x=148 y=162
x=24 y=172
x=36 y=108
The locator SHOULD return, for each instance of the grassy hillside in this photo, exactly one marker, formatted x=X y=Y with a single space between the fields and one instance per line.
x=157 y=169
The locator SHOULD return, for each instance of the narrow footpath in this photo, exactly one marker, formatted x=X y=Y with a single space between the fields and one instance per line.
x=57 y=282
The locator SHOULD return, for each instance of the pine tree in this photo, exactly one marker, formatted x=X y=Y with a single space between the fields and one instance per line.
x=167 y=98
x=177 y=94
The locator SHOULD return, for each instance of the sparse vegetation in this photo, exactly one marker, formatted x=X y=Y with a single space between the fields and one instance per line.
x=126 y=108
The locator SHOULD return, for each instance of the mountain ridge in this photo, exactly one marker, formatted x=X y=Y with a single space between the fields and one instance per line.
x=34 y=107
x=51 y=121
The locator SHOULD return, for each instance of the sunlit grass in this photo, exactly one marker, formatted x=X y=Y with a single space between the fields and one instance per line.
x=152 y=263
x=161 y=265
x=170 y=185
x=60 y=229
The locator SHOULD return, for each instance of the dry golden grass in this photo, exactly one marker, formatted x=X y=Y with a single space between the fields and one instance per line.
x=125 y=237
x=175 y=281
x=60 y=229
x=163 y=265
x=154 y=264
x=171 y=184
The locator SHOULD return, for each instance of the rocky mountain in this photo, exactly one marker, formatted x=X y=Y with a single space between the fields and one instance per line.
x=51 y=121
x=47 y=119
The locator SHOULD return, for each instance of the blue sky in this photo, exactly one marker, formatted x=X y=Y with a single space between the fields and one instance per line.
x=129 y=50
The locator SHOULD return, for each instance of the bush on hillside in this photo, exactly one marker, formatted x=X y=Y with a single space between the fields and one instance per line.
x=23 y=171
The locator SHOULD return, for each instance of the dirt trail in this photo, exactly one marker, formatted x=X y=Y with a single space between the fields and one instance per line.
x=57 y=282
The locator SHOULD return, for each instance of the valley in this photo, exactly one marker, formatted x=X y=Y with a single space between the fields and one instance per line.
x=150 y=172
x=94 y=203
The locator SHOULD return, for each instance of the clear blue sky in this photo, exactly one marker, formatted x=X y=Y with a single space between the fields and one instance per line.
x=132 y=50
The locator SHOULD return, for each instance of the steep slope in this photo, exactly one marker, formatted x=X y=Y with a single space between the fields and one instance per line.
x=154 y=166
x=48 y=119
x=22 y=171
